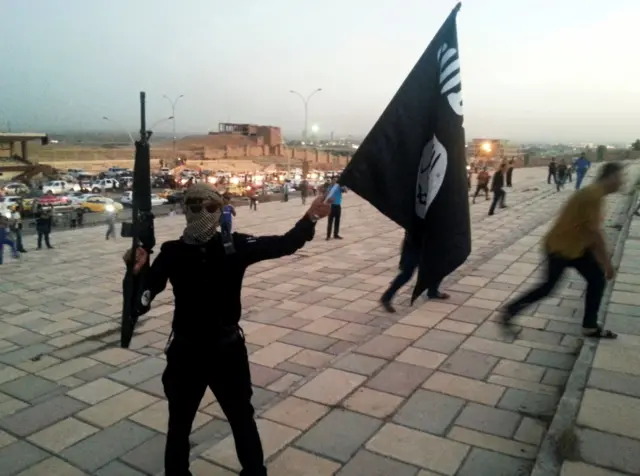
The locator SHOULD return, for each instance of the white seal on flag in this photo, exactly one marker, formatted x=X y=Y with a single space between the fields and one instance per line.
x=433 y=166
x=450 y=82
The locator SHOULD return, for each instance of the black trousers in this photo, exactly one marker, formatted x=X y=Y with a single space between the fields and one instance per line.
x=499 y=196
x=509 y=177
x=334 y=221
x=224 y=368
x=253 y=204
x=481 y=188
x=45 y=235
x=403 y=277
x=590 y=270
x=551 y=176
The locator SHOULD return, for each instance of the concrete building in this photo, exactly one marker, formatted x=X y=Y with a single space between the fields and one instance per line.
x=270 y=136
x=493 y=149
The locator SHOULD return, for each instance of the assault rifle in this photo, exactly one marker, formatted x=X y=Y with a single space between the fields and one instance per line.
x=141 y=231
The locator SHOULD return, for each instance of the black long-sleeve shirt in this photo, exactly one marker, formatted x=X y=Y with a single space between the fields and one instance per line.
x=207 y=282
x=497 y=183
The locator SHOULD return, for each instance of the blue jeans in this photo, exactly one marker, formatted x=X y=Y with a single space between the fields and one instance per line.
x=7 y=241
x=580 y=177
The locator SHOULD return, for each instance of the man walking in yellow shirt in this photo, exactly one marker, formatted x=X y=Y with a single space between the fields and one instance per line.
x=576 y=240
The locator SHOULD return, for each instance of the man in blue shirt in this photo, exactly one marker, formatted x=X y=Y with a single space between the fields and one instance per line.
x=228 y=212
x=335 y=194
x=581 y=166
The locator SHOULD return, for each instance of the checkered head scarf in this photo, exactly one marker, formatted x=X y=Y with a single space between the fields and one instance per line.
x=202 y=224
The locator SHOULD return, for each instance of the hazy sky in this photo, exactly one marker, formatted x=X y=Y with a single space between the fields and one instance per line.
x=531 y=69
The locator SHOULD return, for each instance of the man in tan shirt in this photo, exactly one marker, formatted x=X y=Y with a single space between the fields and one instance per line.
x=576 y=240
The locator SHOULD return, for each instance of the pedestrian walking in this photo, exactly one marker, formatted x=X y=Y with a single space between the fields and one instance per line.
x=304 y=191
x=497 y=187
x=582 y=166
x=228 y=212
x=334 y=194
x=44 y=224
x=509 y=175
x=482 y=184
x=5 y=239
x=16 y=227
x=111 y=225
x=409 y=261
x=207 y=346
x=561 y=175
x=577 y=241
x=551 y=175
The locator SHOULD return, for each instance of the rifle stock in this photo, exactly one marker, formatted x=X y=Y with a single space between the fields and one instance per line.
x=140 y=230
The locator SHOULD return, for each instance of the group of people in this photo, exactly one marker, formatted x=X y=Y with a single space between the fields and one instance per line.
x=11 y=229
x=496 y=184
x=207 y=347
x=561 y=172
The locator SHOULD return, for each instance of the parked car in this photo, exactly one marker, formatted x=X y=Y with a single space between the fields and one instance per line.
x=127 y=199
x=100 y=205
x=75 y=173
x=10 y=201
x=60 y=186
x=78 y=198
x=104 y=184
x=51 y=200
x=15 y=188
x=114 y=171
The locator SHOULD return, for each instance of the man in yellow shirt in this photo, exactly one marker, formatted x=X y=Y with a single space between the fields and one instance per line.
x=576 y=240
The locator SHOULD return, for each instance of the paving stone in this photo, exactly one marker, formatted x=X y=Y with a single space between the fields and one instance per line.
x=619 y=358
x=384 y=346
x=615 y=382
x=211 y=432
x=114 y=409
x=469 y=364
x=294 y=462
x=574 y=468
x=530 y=431
x=274 y=354
x=140 y=371
x=148 y=457
x=76 y=350
x=52 y=467
x=26 y=338
x=25 y=353
x=439 y=341
x=107 y=445
x=489 y=420
x=19 y=456
x=262 y=397
x=519 y=370
x=339 y=434
x=529 y=403
x=365 y=463
x=610 y=412
x=373 y=403
x=482 y=462
x=611 y=451
x=29 y=387
x=330 y=386
x=37 y=417
x=419 y=449
x=493 y=443
x=399 y=379
x=429 y=411
x=262 y=376
x=555 y=377
x=117 y=468
x=61 y=435
x=360 y=364
x=551 y=359
x=296 y=412
x=497 y=349
x=97 y=391
x=464 y=387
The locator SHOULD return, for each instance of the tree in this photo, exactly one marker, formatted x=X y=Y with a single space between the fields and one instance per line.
x=636 y=145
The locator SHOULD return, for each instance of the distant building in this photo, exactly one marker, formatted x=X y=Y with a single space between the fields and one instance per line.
x=257 y=135
x=493 y=149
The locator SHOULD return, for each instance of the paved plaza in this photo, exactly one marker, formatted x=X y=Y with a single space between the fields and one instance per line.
x=341 y=387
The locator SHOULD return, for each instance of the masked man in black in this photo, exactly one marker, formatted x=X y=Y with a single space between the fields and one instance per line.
x=207 y=346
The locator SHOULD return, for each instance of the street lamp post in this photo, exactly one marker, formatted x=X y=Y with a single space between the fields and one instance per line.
x=173 y=116
x=306 y=120
x=306 y=109
x=124 y=129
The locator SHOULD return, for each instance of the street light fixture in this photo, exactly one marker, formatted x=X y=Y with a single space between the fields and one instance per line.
x=124 y=129
x=173 y=116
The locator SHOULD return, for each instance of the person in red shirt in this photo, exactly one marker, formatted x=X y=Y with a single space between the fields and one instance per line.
x=482 y=184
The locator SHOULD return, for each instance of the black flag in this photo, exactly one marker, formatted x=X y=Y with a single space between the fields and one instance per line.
x=412 y=164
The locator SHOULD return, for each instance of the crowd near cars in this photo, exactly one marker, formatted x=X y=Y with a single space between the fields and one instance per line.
x=110 y=191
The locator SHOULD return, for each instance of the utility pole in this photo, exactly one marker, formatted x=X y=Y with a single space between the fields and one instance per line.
x=173 y=115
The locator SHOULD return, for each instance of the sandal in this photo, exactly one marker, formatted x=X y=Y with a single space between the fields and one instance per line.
x=599 y=333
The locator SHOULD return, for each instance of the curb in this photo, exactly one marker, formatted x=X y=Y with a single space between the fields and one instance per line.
x=549 y=461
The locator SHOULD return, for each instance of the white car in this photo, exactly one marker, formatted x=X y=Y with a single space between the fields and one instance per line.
x=16 y=187
x=57 y=187
x=127 y=199
x=104 y=184
x=78 y=198
x=9 y=201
